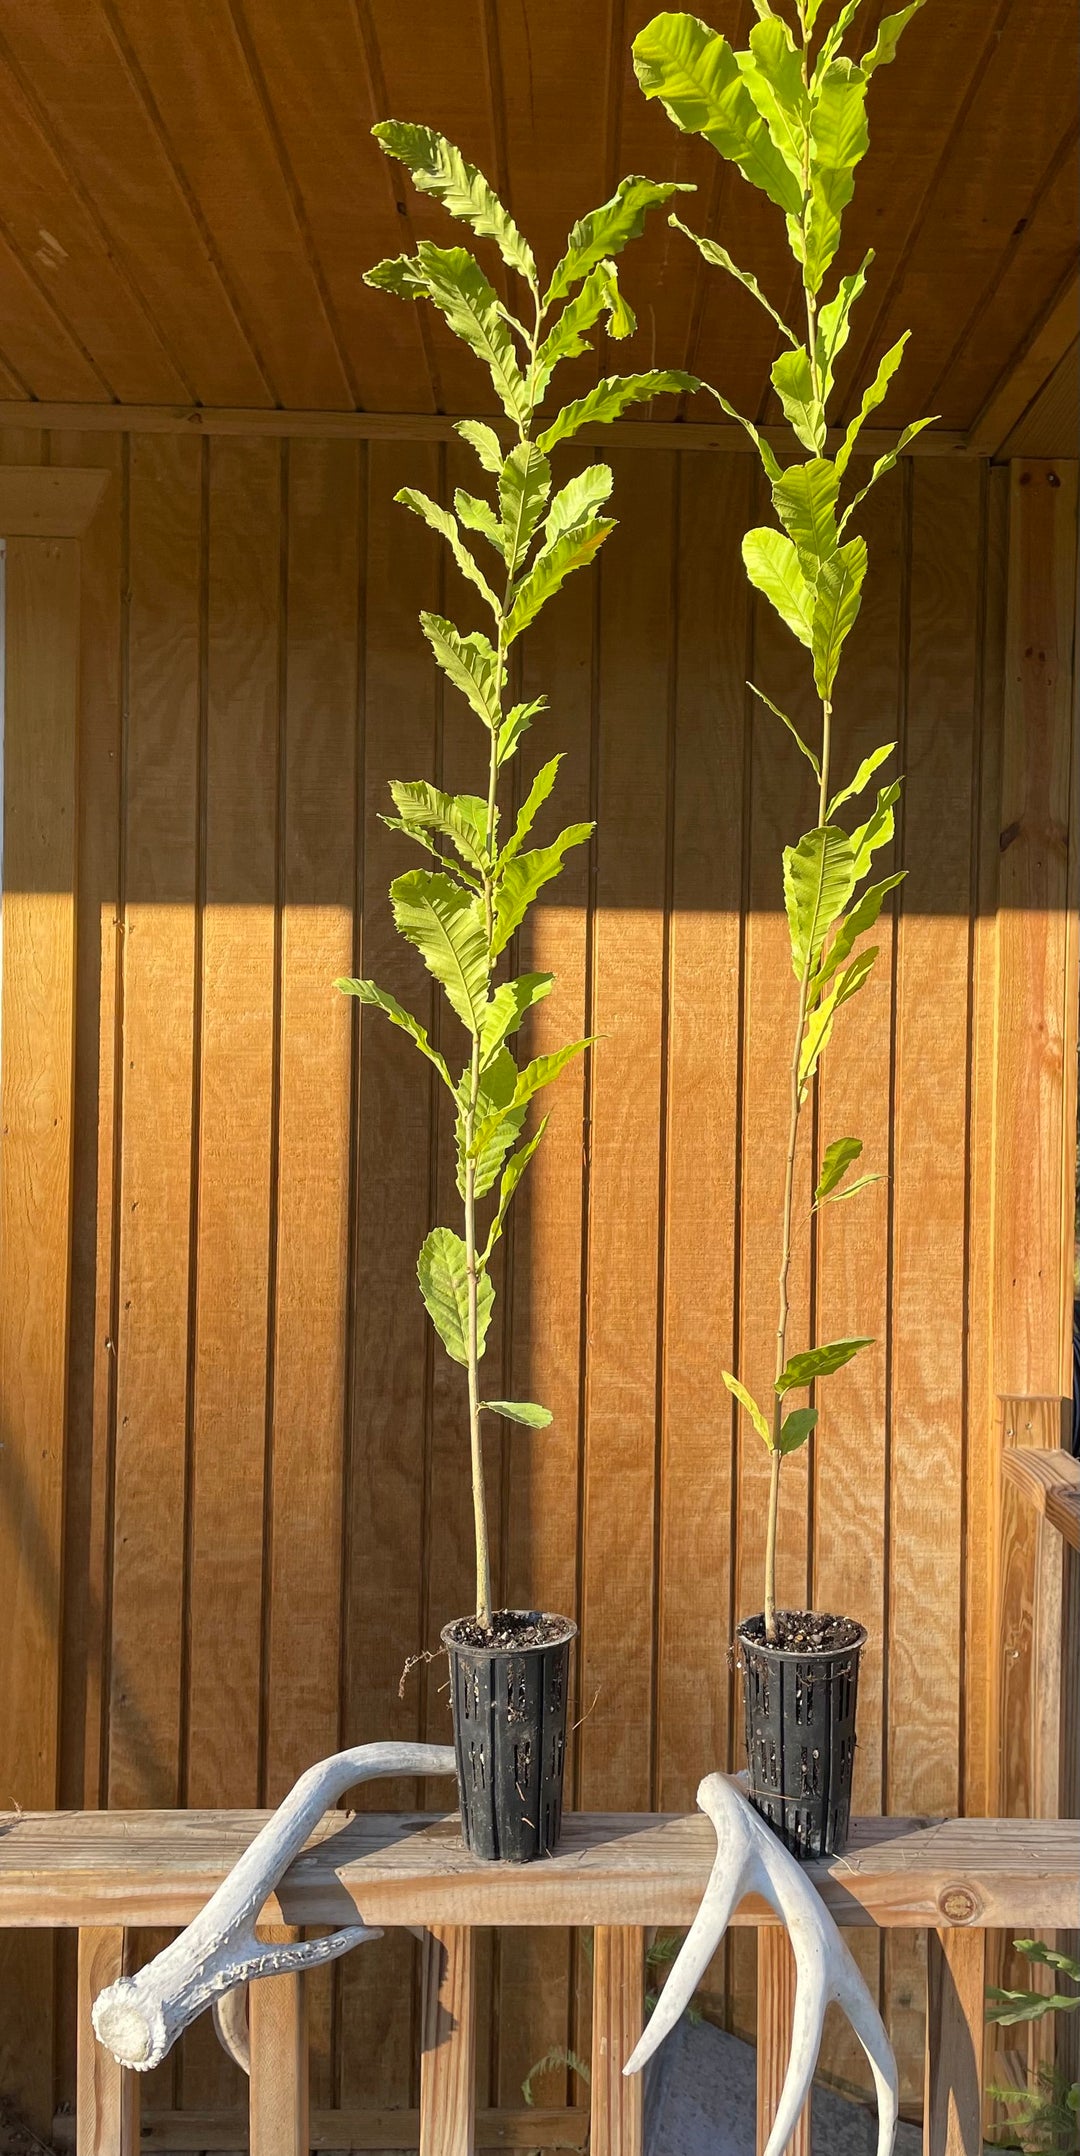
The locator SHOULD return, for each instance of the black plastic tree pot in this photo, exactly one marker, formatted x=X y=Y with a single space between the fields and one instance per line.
x=509 y=1707
x=800 y=1735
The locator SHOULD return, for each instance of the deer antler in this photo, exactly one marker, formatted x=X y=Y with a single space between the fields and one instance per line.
x=140 y=2017
x=750 y=1860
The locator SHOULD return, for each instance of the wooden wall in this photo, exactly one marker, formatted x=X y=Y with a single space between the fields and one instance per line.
x=266 y=1498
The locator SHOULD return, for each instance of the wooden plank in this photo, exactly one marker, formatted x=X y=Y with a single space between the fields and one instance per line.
x=353 y=2130
x=238 y=1103
x=930 y=1169
x=955 y=2017
x=1010 y=399
x=447 y=2041
x=644 y=1868
x=375 y=426
x=617 y=2100
x=385 y=1616
x=618 y=1610
x=776 y=2005
x=1031 y=1705
x=39 y=503
x=278 y=2084
x=107 y=2096
x=36 y=1113
x=1035 y=1115
x=1051 y=425
x=1049 y=1482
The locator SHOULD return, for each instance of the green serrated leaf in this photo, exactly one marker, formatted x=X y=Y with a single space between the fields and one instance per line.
x=793 y=382
x=541 y=1072
x=834 y=324
x=877 y=831
x=442 y=521
x=611 y=396
x=885 y=464
x=379 y=999
x=720 y=259
x=438 y=168
x=819 y=877
x=517 y=722
x=871 y=398
x=524 y=1411
x=458 y=287
x=817 y=1362
x=819 y=1025
x=399 y=274
x=884 y=47
x=507 y=1008
x=477 y=515
x=837 y=1159
x=484 y=440
x=524 y=486
x=568 y=336
x=830 y=45
x=791 y=727
x=804 y=498
x=511 y=1177
x=530 y=808
x=443 y=923
x=746 y=1400
x=550 y=569
x=470 y=662
x=837 y=599
x=862 y=1182
x=606 y=231
x=796 y=1428
x=524 y=876
x=772 y=565
x=772 y=72
x=462 y=818
x=855 y=924
x=862 y=778
x=578 y=501
x=839 y=138
x=496 y=1119
x=764 y=448
x=694 y=72
x=442 y=1270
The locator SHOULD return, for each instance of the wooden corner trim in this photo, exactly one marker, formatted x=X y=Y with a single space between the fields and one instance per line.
x=48 y=502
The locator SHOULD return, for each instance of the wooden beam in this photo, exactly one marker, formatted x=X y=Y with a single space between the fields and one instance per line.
x=618 y=2017
x=775 y=2008
x=36 y=1117
x=157 y=1868
x=278 y=2084
x=427 y=427
x=955 y=2017
x=107 y=2096
x=447 y=2042
x=349 y=2128
x=1049 y=1482
x=1010 y=397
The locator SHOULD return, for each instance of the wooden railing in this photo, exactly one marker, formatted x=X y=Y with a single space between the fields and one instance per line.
x=108 y=1873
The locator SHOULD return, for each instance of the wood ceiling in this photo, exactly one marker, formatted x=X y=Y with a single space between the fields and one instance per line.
x=189 y=195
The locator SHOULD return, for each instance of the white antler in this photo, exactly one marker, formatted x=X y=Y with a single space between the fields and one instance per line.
x=139 y=2018
x=750 y=1860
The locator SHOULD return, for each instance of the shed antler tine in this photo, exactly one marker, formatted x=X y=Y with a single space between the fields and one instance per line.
x=728 y=1882
x=140 y=2017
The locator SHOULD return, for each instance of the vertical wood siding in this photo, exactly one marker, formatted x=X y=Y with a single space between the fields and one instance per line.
x=267 y=1478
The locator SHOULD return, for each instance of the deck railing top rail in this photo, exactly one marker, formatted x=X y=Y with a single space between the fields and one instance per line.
x=158 y=1868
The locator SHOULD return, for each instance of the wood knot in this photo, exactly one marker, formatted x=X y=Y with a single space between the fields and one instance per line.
x=958 y=1904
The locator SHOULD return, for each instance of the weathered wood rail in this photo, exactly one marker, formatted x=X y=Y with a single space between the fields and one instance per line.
x=108 y=1873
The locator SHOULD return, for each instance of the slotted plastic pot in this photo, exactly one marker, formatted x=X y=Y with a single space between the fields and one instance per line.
x=800 y=1738
x=509 y=1708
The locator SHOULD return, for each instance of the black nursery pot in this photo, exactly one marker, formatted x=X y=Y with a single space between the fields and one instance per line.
x=800 y=1735
x=509 y=1706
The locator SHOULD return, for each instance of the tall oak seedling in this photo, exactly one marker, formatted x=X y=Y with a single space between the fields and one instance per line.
x=790 y=113
x=462 y=914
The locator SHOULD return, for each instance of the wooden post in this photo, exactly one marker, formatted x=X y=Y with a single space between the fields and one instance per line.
x=448 y=2042
x=618 y=2019
x=955 y=2010
x=775 y=2007
x=106 y=2096
x=278 y=2089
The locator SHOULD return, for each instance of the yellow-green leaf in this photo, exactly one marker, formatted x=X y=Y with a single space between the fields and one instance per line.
x=442 y=1270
